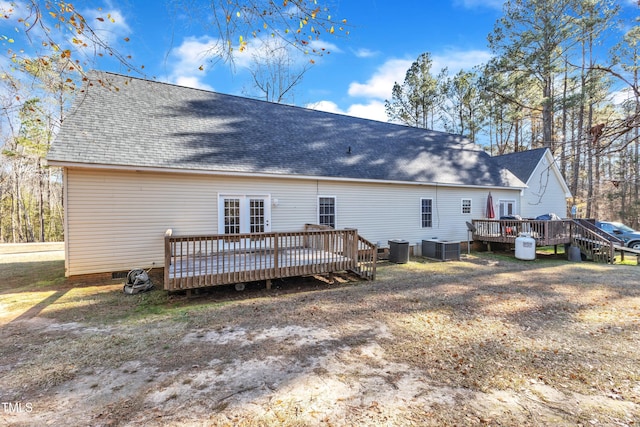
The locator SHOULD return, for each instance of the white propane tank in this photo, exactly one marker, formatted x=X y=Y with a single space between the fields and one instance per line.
x=525 y=247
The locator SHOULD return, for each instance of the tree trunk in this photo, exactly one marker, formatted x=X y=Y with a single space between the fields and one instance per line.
x=624 y=173
x=563 y=143
x=577 y=142
x=39 y=174
x=2 y=216
x=547 y=112
x=590 y=152
x=16 y=223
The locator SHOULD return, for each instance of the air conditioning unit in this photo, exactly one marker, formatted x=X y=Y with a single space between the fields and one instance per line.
x=442 y=250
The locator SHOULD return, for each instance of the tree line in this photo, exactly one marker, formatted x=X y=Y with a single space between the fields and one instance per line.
x=30 y=192
x=549 y=84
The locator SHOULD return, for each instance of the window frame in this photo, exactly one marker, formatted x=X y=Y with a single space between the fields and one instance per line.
x=335 y=211
x=469 y=207
x=422 y=213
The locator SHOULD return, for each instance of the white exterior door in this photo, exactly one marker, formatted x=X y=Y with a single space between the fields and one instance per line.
x=244 y=214
x=507 y=208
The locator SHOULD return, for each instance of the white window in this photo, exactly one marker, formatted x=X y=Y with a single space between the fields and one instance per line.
x=327 y=211
x=426 y=212
x=231 y=215
x=466 y=206
x=244 y=214
x=507 y=207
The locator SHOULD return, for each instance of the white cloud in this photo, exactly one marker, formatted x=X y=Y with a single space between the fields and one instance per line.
x=195 y=52
x=264 y=48
x=365 y=53
x=108 y=24
x=192 y=81
x=472 y=4
x=373 y=110
x=328 y=106
x=380 y=84
x=187 y=59
x=6 y=6
x=456 y=60
x=621 y=96
x=323 y=46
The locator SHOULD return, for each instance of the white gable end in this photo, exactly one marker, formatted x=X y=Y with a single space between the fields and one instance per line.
x=546 y=190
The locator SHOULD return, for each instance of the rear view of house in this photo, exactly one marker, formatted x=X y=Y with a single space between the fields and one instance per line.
x=142 y=157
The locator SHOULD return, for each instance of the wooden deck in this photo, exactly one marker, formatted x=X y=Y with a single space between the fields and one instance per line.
x=593 y=242
x=202 y=261
x=545 y=233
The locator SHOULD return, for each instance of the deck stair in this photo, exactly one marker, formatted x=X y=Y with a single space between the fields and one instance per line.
x=595 y=244
x=367 y=256
x=606 y=247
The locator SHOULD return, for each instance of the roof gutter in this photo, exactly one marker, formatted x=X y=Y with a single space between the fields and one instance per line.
x=128 y=168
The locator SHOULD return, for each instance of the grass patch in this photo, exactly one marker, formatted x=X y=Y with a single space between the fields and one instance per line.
x=35 y=285
x=18 y=276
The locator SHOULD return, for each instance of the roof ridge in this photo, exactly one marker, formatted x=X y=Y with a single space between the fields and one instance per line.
x=522 y=152
x=244 y=98
x=158 y=125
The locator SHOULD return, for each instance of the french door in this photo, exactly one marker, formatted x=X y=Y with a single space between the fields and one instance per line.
x=244 y=214
x=507 y=207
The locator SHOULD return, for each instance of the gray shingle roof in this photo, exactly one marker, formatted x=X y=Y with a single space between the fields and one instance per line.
x=137 y=123
x=521 y=163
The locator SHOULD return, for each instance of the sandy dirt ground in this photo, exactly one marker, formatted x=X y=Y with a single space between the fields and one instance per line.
x=484 y=341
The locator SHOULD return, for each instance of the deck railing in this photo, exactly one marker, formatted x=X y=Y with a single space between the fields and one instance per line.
x=367 y=258
x=590 y=225
x=546 y=233
x=220 y=259
x=367 y=253
x=593 y=242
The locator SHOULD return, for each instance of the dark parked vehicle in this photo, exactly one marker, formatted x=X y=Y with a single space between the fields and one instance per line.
x=629 y=236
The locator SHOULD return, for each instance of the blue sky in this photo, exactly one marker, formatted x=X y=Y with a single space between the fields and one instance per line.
x=385 y=38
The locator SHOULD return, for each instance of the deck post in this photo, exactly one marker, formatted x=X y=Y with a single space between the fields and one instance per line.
x=354 y=236
x=167 y=258
x=612 y=254
x=276 y=269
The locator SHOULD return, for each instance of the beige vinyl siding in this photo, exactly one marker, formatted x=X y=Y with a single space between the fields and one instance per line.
x=382 y=212
x=117 y=219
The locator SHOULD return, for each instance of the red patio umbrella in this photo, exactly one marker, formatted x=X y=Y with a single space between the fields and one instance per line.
x=490 y=212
